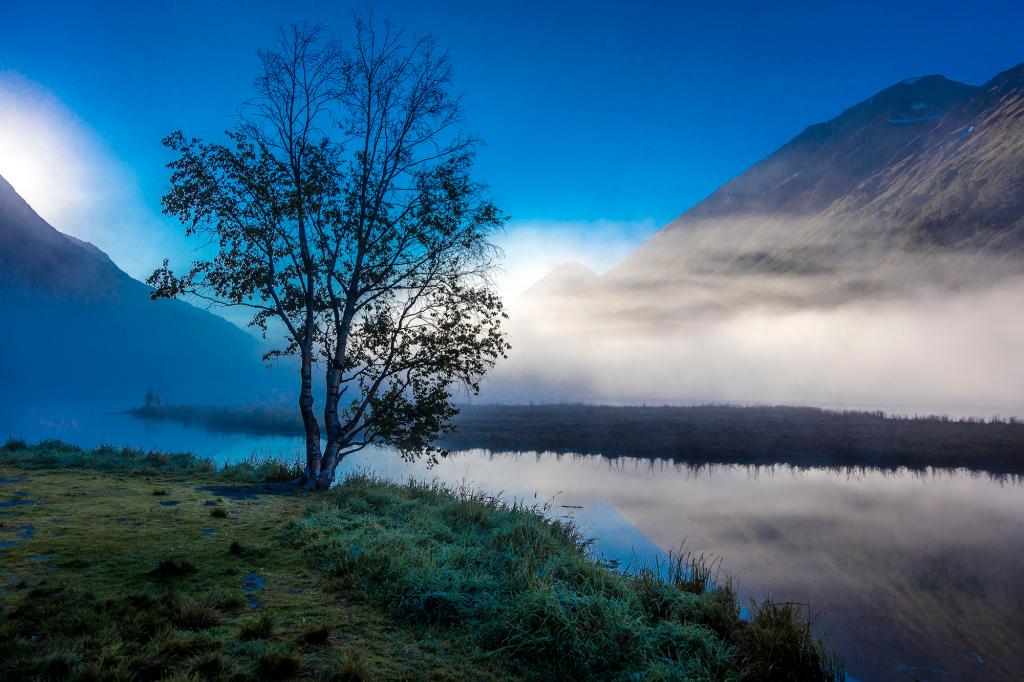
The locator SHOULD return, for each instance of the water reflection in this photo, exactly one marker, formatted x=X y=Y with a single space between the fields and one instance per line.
x=914 y=574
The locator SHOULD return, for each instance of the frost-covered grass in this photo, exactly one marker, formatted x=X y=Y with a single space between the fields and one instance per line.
x=55 y=454
x=522 y=587
x=114 y=567
x=101 y=579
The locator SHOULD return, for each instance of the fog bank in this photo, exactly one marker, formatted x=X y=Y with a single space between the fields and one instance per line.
x=924 y=350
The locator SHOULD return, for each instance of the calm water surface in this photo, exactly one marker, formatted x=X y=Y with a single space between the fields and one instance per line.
x=912 y=576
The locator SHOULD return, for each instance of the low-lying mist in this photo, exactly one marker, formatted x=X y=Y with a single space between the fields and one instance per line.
x=904 y=331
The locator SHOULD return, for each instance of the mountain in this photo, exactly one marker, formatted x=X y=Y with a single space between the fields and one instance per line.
x=921 y=185
x=828 y=160
x=566 y=279
x=964 y=187
x=76 y=325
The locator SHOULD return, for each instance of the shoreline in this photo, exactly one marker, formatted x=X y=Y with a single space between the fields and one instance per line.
x=707 y=434
x=246 y=578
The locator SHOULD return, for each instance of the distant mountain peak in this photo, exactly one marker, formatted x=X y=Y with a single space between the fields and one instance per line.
x=829 y=159
x=567 y=279
x=913 y=100
x=574 y=269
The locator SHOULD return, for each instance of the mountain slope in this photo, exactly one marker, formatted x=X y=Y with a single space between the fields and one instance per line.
x=965 y=187
x=829 y=159
x=77 y=325
x=921 y=185
x=565 y=280
x=740 y=225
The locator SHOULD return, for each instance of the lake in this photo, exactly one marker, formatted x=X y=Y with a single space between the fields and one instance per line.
x=911 y=575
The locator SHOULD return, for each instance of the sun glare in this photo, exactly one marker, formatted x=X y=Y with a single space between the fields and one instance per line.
x=42 y=147
x=18 y=164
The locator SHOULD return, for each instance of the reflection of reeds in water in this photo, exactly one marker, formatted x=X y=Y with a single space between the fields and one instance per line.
x=747 y=435
x=696 y=470
x=954 y=609
x=701 y=434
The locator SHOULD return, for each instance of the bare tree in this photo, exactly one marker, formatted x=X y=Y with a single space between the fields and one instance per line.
x=345 y=209
x=409 y=311
x=262 y=197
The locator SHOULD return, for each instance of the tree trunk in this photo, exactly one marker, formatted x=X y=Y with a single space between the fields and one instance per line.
x=313 y=459
x=332 y=424
x=330 y=466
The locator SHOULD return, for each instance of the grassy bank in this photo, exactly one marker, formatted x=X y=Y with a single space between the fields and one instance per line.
x=118 y=564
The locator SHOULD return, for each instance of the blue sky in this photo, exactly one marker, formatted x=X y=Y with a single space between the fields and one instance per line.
x=603 y=120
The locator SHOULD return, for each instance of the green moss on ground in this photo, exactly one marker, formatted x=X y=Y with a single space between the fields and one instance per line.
x=112 y=566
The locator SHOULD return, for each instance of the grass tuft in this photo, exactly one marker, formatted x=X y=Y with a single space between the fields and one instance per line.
x=210 y=666
x=779 y=644
x=256 y=627
x=263 y=469
x=317 y=634
x=278 y=664
x=227 y=600
x=352 y=668
x=193 y=615
x=170 y=567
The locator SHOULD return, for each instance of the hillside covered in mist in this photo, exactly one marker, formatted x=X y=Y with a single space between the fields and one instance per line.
x=77 y=326
x=873 y=260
